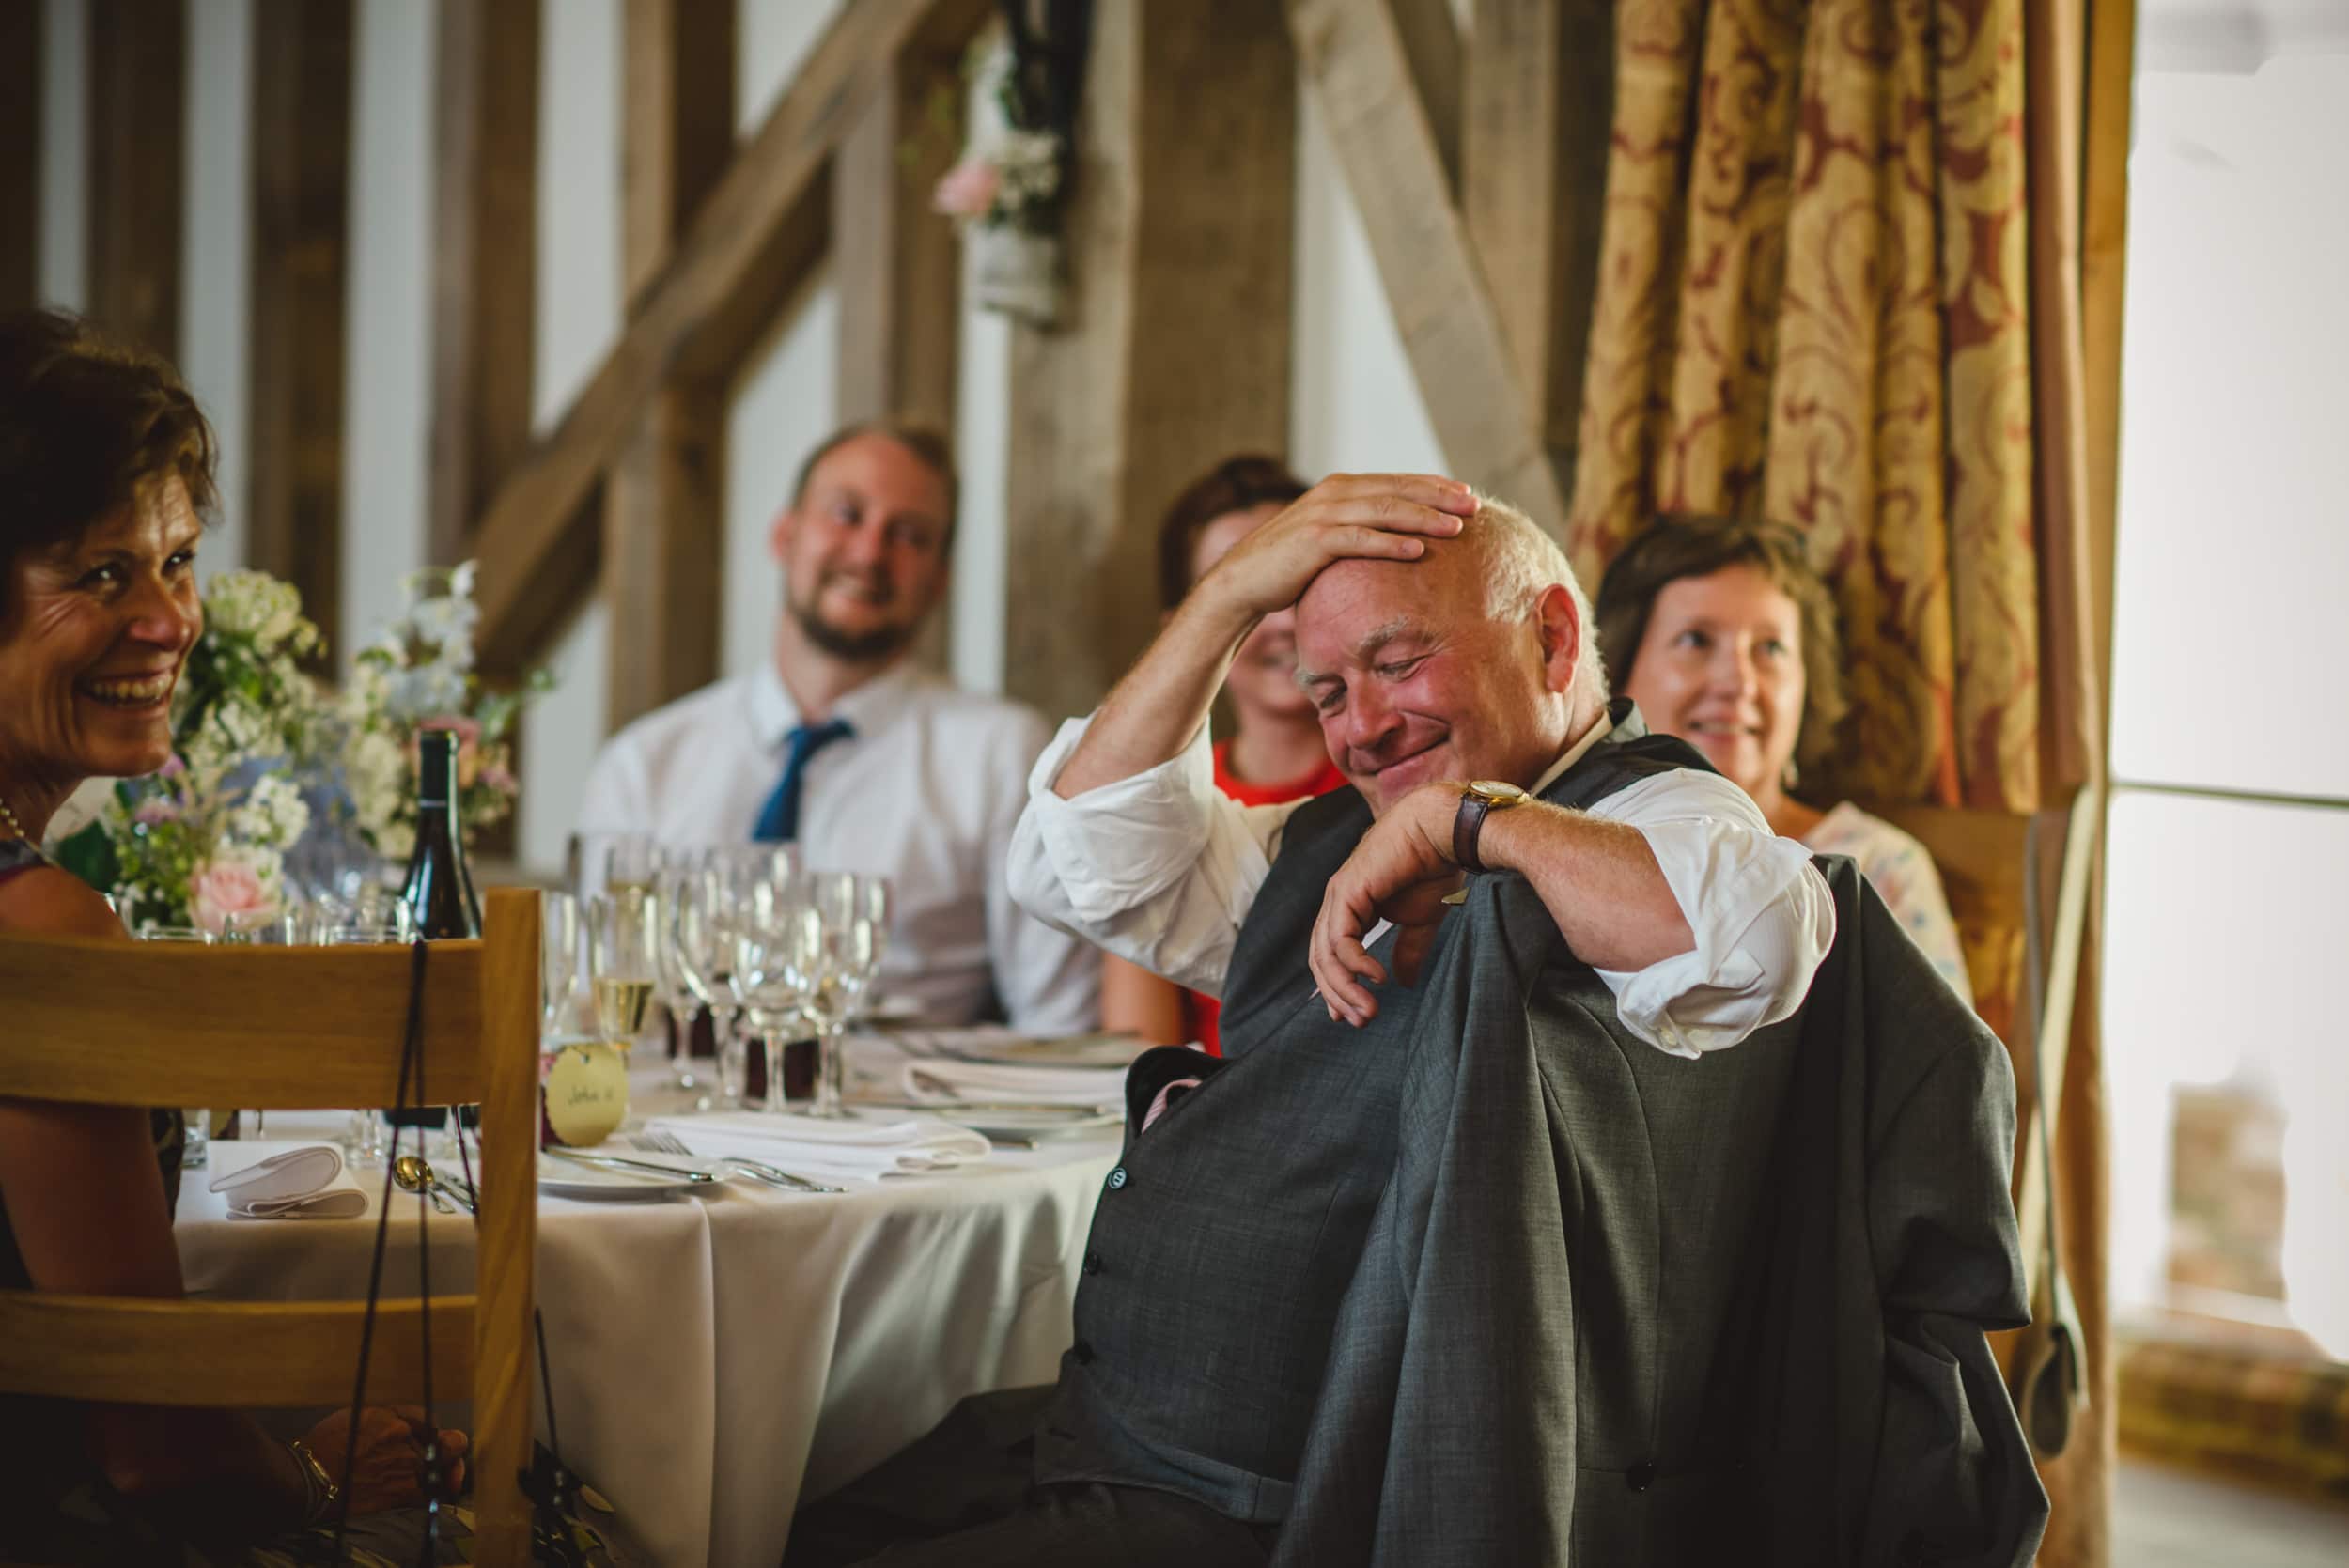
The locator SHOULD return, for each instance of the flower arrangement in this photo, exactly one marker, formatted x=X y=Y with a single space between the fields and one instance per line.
x=206 y=836
x=1009 y=186
x=262 y=758
x=419 y=674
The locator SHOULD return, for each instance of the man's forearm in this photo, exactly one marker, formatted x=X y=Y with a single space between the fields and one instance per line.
x=1151 y=714
x=1600 y=879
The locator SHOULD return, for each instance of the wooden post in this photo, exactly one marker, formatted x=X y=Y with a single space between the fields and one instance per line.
x=301 y=85
x=485 y=269
x=896 y=263
x=664 y=501
x=137 y=137
x=1356 y=61
x=1539 y=109
x=20 y=154
x=1175 y=350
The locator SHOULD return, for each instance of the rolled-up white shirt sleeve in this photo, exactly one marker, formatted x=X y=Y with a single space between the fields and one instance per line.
x=1761 y=913
x=1159 y=868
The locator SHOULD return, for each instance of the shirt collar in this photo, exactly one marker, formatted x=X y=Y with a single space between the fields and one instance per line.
x=868 y=708
x=1592 y=737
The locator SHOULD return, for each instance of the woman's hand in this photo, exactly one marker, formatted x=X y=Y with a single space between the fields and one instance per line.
x=388 y=1468
x=1402 y=872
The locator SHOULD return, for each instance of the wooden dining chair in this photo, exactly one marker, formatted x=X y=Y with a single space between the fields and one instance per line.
x=297 y=1029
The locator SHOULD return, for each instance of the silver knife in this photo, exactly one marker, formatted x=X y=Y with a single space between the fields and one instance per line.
x=613 y=1162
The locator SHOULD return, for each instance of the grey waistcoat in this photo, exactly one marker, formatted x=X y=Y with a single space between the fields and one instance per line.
x=1225 y=1240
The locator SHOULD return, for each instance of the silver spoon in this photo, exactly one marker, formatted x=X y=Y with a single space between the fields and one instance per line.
x=415 y=1175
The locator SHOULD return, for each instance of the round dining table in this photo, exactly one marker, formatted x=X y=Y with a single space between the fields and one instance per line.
x=715 y=1360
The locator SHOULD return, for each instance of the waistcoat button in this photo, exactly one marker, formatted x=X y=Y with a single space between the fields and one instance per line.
x=1118 y=1178
x=1092 y=1262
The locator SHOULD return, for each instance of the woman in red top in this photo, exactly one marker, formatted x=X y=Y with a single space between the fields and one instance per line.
x=1274 y=751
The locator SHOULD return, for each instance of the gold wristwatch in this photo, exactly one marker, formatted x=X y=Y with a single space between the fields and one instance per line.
x=1481 y=798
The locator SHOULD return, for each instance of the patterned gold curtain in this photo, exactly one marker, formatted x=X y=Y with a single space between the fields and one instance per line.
x=1816 y=306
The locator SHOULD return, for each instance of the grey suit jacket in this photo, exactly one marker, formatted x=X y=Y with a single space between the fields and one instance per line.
x=1617 y=1308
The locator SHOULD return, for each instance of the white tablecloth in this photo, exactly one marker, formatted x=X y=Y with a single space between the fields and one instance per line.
x=718 y=1360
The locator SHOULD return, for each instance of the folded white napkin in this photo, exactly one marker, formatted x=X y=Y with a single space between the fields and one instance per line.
x=820 y=1146
x=297 y=1184
x=945 y=1082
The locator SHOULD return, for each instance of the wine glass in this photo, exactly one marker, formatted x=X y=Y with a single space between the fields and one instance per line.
x=679 y=996
x=875 y=900
x=701 y=936
x=558 y=961
x=194 y=1151
x=832 y=962
x=774 y=937
x=622 y=962
x=365 y=1143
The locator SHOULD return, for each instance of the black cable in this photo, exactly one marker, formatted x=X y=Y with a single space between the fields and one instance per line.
x=375 y=1268
x=428 y=1554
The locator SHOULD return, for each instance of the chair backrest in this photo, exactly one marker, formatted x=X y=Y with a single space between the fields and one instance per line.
x=292 y=1028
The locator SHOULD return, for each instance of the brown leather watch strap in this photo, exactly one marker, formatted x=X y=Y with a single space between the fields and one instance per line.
x=1466 y=824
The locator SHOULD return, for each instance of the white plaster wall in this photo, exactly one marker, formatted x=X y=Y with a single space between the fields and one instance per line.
x=216 y=233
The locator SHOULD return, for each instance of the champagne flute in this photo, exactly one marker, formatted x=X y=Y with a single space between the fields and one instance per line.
x=832 y=960
x=196 y=1137
x=771 y=955
x=679 y=998
x=701 y=936
x=621 y=962
x=558 y=961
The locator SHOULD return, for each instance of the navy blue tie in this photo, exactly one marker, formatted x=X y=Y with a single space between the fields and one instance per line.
x=779 y=820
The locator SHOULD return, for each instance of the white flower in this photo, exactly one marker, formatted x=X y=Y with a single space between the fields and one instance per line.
x=253 y=604
x=427 y=691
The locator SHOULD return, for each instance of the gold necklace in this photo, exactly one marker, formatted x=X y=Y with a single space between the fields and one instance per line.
x=14 y=826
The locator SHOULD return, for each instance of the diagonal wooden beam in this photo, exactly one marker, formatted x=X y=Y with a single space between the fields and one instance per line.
x=301 y=86
x=1438 y=60
x=664 y=501
x=1357 y=67
x=747 y=247
x=20 y=154
x=138 y=51
x=485 y=257
x=1534 y=184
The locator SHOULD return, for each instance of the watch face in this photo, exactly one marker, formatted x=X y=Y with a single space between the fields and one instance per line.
x=1496 y=792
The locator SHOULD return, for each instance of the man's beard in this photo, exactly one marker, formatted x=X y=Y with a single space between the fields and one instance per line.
x=857 y=648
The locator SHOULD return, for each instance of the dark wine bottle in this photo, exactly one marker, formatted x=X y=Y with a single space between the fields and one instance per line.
x=439 y=892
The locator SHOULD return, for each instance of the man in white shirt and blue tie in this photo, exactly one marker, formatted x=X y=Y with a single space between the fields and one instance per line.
x=843 y=744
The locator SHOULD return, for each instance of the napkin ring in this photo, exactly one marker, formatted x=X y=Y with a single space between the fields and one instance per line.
x=323 y=1494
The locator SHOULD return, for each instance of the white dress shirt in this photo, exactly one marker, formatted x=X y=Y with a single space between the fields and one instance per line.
x=924 y=791
x=1160 y=869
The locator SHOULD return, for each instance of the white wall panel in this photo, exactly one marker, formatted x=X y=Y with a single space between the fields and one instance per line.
x=215 y=300
x=64 y=154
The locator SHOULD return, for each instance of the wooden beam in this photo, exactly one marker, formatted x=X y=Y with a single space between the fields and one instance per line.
x=20 y=154
x=2103 y=256
x=1175 y=352
x=748 y=246
x=897 y=264
x=1439 y=65
x=485 y=258
x=1534 y=184
x=1356 y=63
x=137 y=135
x=301 y=87
x=664 y=502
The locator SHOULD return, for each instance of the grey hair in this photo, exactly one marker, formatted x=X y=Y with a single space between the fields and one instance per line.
x=1521 y=561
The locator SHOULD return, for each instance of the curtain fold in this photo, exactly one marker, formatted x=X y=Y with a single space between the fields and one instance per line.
x=1839 y=288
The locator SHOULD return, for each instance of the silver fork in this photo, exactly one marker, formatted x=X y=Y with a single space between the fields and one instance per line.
x=669 y=1143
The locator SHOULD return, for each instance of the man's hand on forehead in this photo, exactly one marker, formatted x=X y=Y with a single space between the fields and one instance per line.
x=1371 y=516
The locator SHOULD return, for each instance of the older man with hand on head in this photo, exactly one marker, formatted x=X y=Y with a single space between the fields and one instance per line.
x=1446 y=646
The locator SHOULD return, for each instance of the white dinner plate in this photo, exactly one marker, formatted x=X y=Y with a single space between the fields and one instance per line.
x=1077 y=1050
x=1017 y=1129
x=567 y=1178
x=890 y=1007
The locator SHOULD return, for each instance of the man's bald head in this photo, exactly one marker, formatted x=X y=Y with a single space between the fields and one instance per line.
x=1462 y=664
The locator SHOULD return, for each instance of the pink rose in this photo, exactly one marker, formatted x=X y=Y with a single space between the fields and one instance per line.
x=158 y=811
x=226 y=888
x=969 y=189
